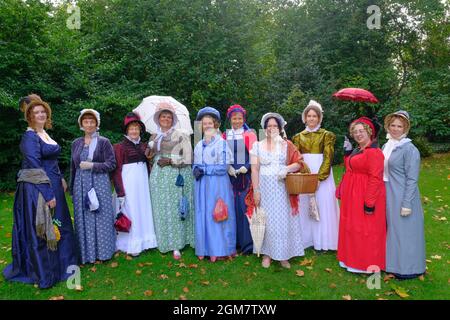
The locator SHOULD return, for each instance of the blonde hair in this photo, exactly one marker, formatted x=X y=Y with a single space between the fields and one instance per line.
x=390 y=118
x=29 y=117
x=365 y=125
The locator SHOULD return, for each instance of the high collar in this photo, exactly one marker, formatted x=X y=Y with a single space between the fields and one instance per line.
x=317 y=128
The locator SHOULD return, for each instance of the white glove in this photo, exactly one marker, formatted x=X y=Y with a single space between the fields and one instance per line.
x=405 y=212
x=121 y=202
x=86 y=165
x=347 y=144
x=242 y=170
x=282 y=173
x=151 y=144
x=232 y=172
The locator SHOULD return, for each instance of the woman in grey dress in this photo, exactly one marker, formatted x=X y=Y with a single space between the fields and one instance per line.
x=91 y=162
x=405 y=248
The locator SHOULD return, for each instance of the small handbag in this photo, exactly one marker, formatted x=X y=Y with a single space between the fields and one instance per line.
x=220 y=211
x=184 y=208
x=183 y=205
x=123 y=223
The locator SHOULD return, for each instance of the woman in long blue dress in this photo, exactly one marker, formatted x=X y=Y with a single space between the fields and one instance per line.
x=91 y=162
x=43 y=242
x=240 y=139
x=211 y=161
x=405 y=243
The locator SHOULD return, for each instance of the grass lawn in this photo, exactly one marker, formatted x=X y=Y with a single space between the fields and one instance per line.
x=316 y=276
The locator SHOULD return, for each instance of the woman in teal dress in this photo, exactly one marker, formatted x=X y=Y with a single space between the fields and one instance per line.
x=171 y=152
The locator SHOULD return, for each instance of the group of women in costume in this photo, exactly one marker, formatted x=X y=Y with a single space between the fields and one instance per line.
x=379 y=225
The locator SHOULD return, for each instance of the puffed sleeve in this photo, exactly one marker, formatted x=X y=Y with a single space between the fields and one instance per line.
x=375 y=163
x=296 y=141
x=328 y=154
x=31 y=150
x=109 y=163
x=412 y=167
x=117 y=173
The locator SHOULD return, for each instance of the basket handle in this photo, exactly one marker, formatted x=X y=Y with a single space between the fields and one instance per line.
x=305 y=168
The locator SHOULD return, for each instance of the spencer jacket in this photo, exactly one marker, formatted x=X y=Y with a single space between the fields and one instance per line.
x=103 y=158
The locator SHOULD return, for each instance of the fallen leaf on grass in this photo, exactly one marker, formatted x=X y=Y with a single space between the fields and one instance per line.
x=436 y=257
x=138 y=272
x=185 y=289
x=8 y=235
x=306 y=262
x=129 y=258
x=193 y=265
x=292 y=293
x=114 y=298
x=329 y=270
x=300 y=273
x=347 y=297
x=163 y=276
x=332 y=285
x=205 y=282
x=401 y=292
x=421 y=278
x=165 y=290
x=57 y=298
x=182 y=265
x=247 y=263
x=388 y=277
x=114 y=265
x=177 y=274
x=93 y=269
x=141 y=265
x=78 y=288
x=148 y=293
x=183 y=297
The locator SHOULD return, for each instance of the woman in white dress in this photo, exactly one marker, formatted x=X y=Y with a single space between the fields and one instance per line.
x=272 y=158
x=132 y=188
x=317 y=148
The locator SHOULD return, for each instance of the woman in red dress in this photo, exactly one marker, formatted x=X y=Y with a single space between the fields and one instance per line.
x=362 y=227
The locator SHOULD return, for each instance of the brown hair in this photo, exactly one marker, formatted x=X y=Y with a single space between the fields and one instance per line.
x=216 y=122
x=25 y=101
x=88 y=115
x=389 y=119
x=29 y=113
x=133 y=123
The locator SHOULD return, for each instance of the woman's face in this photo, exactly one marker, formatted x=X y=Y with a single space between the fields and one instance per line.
x=396 y=128
x=208 y=126
x=89 y=124
x=360 y=135
x=272 y=130
x=39 y=116
x=237 y=120
x=134 y=131
x=165 y=120
x=312 y=119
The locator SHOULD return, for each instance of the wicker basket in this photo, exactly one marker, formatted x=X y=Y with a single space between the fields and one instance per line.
x=302 y=183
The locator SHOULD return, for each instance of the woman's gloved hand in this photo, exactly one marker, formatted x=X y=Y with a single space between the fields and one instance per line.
x=86 y=165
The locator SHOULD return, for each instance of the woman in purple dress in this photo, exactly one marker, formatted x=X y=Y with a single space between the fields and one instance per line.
x=43 y=242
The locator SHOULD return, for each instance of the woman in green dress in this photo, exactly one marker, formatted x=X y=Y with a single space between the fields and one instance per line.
x=170 y=180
